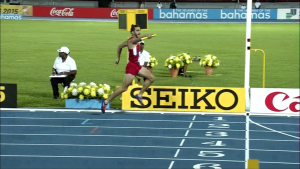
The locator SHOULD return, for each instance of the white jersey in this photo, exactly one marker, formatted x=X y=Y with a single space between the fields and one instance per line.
x=67 y=66
x=144 y=57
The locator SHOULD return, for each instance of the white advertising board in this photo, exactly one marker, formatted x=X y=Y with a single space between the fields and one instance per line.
x=288 y=13
x=275 y=100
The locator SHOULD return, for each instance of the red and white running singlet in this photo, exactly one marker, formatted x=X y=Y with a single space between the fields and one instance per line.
x=133 y=67
x=134 y=54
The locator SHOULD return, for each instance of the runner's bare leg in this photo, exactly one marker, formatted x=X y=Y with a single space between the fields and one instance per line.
x=126 y=82
x=149 y=79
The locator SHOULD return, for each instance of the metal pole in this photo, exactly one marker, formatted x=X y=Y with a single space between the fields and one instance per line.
x=247 y=54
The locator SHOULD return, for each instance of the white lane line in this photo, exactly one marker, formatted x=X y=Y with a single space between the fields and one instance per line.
x=140 y=158
x=171 y=165
x=162 y=137
x=182 y=141
x=177 y=152
x=277 y=162
x=247 y=141
x=290 y=151
x=138 y=120
x=273 y=129
x=150 y=128
x=105 y=157
x=135 y=146
x=186 y=133
x=41 y=110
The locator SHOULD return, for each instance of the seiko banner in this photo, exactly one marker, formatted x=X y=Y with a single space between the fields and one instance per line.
x=275 y=100
x=186 y=99
x=207 y=14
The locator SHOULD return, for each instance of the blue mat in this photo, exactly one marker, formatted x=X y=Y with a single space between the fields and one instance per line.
x=82 y=140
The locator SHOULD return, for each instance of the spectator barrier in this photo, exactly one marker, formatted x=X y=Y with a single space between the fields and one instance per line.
x=186 y=99
x=275 y=100
x=105 y=13
x=13 y=12
x=210 y=14
x=226 y=14
x=25 y=10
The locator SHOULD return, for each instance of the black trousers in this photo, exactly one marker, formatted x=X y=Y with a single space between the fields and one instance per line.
x=55 y=81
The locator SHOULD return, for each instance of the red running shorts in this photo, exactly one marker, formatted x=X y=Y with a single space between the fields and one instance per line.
x=133 y=68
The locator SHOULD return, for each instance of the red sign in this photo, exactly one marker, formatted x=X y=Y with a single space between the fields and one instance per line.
x=270 y=102
x=105 y=13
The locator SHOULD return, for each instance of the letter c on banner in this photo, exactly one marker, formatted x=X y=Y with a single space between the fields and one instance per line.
x=270 y=98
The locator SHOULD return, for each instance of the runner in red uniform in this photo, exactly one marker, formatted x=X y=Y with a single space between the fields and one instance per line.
x=133 y=67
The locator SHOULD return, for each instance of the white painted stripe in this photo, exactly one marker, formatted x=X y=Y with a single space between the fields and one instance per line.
x=179 y=121
x=182 y=141
x=273 y=130
x=177 y=152
x=146 y=128
x=163 y=137
x=290 y=151
x=140 y=158
x=127 y=146
x=134 y=146
x=106 y=157
x=194 y=118
x=292 y=124
x=171 y=165
x=247 y=142
x=191 y=125
x=186 y=133
x=277 y=162
x=155 y=112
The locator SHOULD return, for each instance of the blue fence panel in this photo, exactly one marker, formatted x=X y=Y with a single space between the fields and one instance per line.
x=211 y=14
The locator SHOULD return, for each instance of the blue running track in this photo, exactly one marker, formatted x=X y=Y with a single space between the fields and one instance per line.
x=59 y=140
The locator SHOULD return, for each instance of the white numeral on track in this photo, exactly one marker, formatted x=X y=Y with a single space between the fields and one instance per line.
x=219 y=126
x=205 y=165
x=215 y=143
x=211 y=154
x=216 y=133
x=219 y=118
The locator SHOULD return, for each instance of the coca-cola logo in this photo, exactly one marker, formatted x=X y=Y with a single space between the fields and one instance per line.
x=293 y=103
x=114 y=13
x=62 y=12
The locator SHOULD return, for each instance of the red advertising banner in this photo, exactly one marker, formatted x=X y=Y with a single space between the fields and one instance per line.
x=105 y=13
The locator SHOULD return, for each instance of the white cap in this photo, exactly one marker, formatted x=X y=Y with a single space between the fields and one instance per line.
x=142 y=42
x=64 y=49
